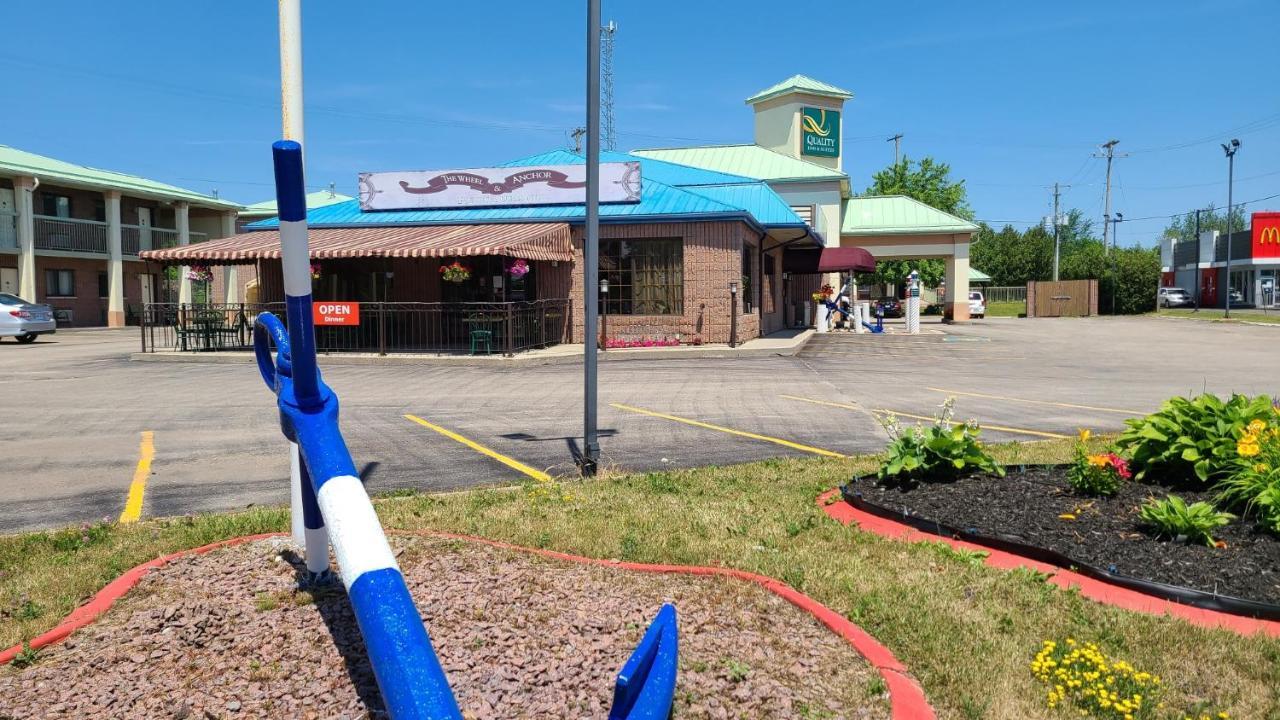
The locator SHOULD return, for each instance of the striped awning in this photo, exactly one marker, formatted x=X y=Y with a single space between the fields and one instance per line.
x=531 y=241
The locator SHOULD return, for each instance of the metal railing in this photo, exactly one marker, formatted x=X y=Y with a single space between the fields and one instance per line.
x=458 y=328
x=70 y=234
x=1005 y=294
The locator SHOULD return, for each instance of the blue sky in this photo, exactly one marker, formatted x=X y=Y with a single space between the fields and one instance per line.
x=1013 y=95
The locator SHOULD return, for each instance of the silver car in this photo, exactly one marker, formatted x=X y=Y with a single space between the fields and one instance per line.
x=22 y=320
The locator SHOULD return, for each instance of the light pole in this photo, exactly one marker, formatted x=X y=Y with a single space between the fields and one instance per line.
x=1115 y=229
x=591 y=245
x=733 y=313
x=604 y=314
x=1230 y=149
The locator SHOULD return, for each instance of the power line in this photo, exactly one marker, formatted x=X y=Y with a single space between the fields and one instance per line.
x=1262 y=123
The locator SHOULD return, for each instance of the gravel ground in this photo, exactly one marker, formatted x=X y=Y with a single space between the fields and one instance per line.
x=225 y=635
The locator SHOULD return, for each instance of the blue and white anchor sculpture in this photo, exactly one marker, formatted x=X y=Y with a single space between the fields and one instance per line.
x=337 y=509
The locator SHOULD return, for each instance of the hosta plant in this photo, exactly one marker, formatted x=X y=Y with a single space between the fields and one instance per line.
x=1172 y=517
x=1190 y=440
x=941 y=451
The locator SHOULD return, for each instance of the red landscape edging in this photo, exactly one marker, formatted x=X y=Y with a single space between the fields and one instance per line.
x=906 y=699
x=1096 y=590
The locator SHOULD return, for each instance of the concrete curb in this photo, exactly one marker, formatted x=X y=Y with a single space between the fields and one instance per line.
x=906 y=699
x=792 y=347
x=1096 y=590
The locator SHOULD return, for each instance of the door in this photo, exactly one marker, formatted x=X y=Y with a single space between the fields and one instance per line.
x=9 y=282
x=8 y=219
x=144 y=280
x=144 y=228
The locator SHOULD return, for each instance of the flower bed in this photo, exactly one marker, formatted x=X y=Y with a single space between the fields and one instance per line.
x=1037 y=506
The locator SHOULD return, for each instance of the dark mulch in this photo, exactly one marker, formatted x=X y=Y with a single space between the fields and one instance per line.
x=225 y=636
x=1027 y=504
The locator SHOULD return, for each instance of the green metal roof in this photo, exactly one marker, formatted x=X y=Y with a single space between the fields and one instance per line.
x=800 y=83
x=318 y=199
x=898 y=215
x=977 y=276
x=20 y=162
x=749 y=160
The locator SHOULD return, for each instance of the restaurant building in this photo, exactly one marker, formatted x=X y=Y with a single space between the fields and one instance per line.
x=1200 y=265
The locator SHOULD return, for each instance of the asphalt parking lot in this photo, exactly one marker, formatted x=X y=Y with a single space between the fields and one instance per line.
x=79 y=416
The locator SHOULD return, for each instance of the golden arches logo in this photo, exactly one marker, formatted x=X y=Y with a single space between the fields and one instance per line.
x=1270 y=235
x=817 y=127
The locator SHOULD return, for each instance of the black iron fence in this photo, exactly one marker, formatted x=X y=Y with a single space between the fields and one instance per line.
x=470 y=328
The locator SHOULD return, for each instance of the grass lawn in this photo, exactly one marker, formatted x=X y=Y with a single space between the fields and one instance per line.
x=1006 y=309
x=967 y=632
x=1218 y=315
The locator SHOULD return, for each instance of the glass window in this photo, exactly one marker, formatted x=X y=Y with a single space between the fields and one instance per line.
x=103 y=285
x=60 y=283
x=646 y=277
x=56 y=206
x=747 y=278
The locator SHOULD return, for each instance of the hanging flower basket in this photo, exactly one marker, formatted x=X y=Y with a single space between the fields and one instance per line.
x=315 y=271
x=518 y=269
x=455 y=272
x=200 y=273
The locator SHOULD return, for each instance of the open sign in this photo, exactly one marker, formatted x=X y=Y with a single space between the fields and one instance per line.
x=335 y=313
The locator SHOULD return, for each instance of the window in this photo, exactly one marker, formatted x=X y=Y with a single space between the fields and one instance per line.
x=103 y=285
x=100 y=210
x=747 y=278
x=646 y=277
x=60 y=283
x=56 y=205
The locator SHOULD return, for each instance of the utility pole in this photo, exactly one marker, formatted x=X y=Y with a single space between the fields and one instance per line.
x=1196 y=295
x=608 y=134
x=1230 y=150
x=591 y=247
x=897 y=147
x=1057 y=244
x=1109 y=147
x=577 y=134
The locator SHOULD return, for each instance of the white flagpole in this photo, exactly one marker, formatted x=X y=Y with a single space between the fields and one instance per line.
x=291 y=121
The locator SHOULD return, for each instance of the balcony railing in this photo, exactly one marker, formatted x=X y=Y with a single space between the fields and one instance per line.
x=90 y=236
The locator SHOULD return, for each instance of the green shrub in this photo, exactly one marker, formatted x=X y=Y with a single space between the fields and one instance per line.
x=1174 y=518
x=942 y=451
x=1191 y=440
x=1254 y=483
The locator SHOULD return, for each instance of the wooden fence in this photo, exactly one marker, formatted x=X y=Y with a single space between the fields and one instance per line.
x=1066 y=298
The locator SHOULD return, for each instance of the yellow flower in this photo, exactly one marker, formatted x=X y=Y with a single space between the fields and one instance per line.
x=1085 y=434
x=1261 y=467
x=1256 y=426
x=1247 y=449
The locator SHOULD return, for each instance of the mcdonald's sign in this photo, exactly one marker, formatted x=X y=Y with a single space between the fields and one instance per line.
x=1266 y=234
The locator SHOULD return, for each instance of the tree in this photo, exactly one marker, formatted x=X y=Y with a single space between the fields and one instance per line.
x=1011 y=257
x=1183 y=226
x=930 y=183
x=1130 y=275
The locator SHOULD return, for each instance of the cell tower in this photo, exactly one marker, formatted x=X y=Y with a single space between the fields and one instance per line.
x=608 y=135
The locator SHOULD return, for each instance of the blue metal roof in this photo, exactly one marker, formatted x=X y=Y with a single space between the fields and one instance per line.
x=669 y=191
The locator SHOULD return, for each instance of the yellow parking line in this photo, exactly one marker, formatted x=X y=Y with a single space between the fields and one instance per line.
x=1040 y=402
x=509 y=462
x=731 y=431
x=137 y=488
x=985 y=426
x=828 y=403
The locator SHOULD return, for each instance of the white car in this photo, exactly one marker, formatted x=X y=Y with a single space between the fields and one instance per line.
x=977 y=305
x=22 y=320
x=1174 y=297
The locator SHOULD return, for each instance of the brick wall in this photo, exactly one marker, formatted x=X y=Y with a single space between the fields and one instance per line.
x=712 y=258
x=88 y=307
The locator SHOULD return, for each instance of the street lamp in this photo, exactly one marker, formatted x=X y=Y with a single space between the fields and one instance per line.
x=1230 y=149
x=1115 y=230
x=604 y=314
x=733 y=313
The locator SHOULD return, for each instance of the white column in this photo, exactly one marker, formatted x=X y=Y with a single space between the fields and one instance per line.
x=956 y=304
x=182 y=218
x=25 y=189
x=230 y=273
x=115 y=261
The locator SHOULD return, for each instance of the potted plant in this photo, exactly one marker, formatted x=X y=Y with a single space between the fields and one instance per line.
x=455 y=272
x=518 y=269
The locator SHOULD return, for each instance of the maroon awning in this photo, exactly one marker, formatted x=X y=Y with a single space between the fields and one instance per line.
x=828 y=259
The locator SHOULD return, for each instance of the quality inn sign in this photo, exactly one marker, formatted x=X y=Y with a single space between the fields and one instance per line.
x=497 y=187
x=819 y=132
